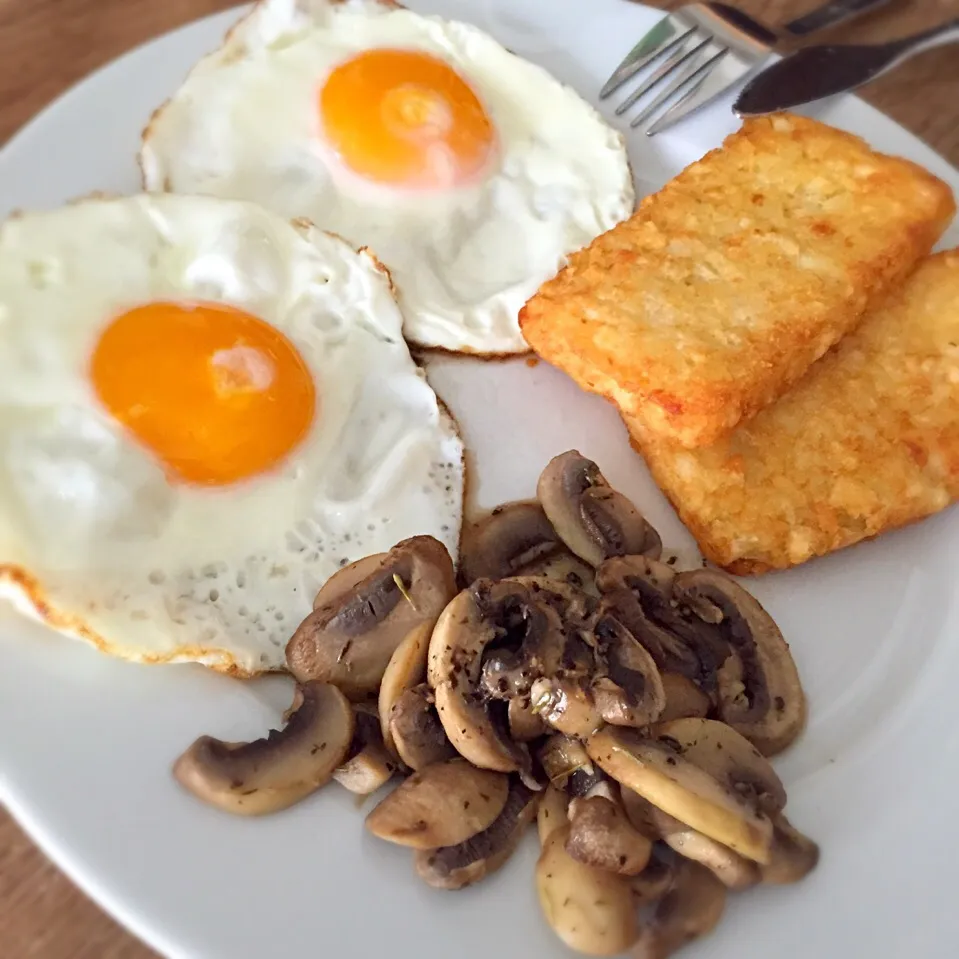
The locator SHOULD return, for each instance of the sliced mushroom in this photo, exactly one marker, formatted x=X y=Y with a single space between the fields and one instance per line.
x=639 y=591
x=524 y=723
x=454 y=867
x=631 y=693
x=269 y=774
x=594 y=520
x=442 y=805
x=793 y=856
x=728 y=757
x=561 y=757
x=731 y=869
x=683 y=698
x=760 y=694
x=601 y=835
x=507 y=541
x=344 y=580
x=529 y=638
x=690 y=910
x=368 y=765
x=349 y=639
x=590 y=909
x=682 y=789
x=658 y=877
x=551 y=814
x=565 y=569
x=406 y=669
x=639 y=812
x=567 y=706
x=416 y=731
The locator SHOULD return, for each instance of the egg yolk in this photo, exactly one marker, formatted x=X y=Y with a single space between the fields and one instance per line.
x=405 y=119
x=216 y=394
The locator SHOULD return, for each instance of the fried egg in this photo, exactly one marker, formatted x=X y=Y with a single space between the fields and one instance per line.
x=470 y=172
x=205 y=411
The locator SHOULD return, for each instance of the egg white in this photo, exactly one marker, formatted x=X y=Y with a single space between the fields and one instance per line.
x=246 y=124
x=96 y=540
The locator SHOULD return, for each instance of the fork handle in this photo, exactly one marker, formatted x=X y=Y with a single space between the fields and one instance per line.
x=831 y=14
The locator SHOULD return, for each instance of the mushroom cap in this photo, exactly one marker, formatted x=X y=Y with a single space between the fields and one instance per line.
x=454 y=867
x=507 y=541
x=441 y=805
x=349 y=639
x=601 y=835
x=591 y=910
x=416 y=731
x=508 y=613
x=728 y=757
x=760 y=694
x=368 y=765
x=690 y=910
x=269 y=774
x=683 y=790
x=591 y=518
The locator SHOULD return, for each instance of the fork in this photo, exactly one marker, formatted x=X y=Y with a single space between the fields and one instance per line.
x=701 y=50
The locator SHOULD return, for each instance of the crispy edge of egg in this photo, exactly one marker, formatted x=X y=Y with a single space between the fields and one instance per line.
x=24 y=591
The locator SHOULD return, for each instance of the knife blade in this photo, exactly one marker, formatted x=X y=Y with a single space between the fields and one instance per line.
x=814 y=73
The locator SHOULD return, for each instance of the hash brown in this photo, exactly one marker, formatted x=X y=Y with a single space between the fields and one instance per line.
x=741 y=272
x=867 y=441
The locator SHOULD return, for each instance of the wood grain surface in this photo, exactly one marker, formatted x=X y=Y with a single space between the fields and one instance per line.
x=47 y=45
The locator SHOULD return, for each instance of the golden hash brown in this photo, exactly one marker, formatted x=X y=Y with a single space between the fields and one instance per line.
x=867 y=441
x=727 y=284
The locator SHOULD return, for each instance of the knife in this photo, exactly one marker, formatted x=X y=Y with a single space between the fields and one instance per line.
x=816 y=72
x=705 y=83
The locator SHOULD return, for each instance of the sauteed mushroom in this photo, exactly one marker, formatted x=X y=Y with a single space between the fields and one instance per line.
x=349 y=639
x=728 y=757
x=793 y=855
x=691 y=909
x=406 y=669
x=442 y=805
x=759 y=690
x=601 y=835
x=590 y=909
x=594 y=520
x=551 y=813
x=507 y=541
x=683 y=790
x=269 y=774
x=416 y=731
x=454 y=867
x=523 y=637
x=368 y=765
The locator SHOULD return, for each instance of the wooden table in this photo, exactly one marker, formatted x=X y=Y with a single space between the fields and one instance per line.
x=45 y=46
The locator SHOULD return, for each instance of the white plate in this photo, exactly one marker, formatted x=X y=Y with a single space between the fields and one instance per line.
x=86 y=742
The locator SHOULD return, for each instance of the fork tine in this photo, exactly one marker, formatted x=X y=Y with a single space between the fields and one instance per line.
x=656 y=43
x=664 y=72
x=686 y=85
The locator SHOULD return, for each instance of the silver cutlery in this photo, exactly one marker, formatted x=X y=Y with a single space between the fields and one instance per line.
x=701 y=50
x=818 y=72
